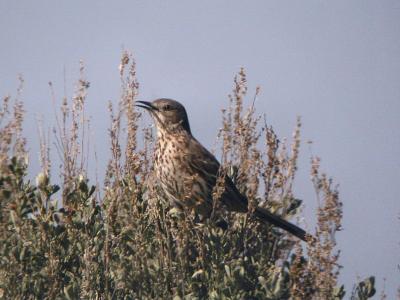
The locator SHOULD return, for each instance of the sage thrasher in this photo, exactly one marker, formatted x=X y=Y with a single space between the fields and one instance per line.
x=182 y=163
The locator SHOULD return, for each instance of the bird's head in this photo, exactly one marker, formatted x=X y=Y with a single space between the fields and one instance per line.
x=169 y=115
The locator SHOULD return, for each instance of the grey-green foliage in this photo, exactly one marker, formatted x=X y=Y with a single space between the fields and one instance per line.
x=42 y=245
x=131 y=248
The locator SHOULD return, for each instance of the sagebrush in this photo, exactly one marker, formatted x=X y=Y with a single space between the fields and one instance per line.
x=119 y=240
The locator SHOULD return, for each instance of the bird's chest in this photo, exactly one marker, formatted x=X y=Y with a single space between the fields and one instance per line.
x=171 y=164
x=178 y=177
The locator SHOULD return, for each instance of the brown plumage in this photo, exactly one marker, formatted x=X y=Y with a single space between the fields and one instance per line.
x=187 y=172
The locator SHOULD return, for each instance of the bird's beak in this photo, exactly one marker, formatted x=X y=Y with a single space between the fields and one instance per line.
x=146 y=105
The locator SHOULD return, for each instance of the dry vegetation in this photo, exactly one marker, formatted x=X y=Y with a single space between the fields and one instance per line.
x=122 y=241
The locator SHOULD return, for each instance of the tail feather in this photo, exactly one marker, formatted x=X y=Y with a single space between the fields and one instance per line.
x=266 y=216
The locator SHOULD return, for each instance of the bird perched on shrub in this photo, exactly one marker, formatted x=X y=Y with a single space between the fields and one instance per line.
x=188 y=172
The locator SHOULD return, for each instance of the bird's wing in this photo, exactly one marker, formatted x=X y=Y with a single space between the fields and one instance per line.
x=208 y=167
x=203 y=162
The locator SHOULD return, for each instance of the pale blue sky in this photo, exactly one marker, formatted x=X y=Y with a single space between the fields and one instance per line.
x=335 y=63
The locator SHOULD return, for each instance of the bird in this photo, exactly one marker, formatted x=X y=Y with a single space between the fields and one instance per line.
x=187 y=172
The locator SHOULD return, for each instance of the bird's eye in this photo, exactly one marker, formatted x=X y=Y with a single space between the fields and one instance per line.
x=167 y=107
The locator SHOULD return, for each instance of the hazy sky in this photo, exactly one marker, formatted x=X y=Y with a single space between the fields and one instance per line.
x=335 y=63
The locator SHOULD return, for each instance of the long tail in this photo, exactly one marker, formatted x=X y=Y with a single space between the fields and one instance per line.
x=266 y=216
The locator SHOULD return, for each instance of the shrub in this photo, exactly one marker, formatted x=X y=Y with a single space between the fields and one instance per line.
x=121 y=240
